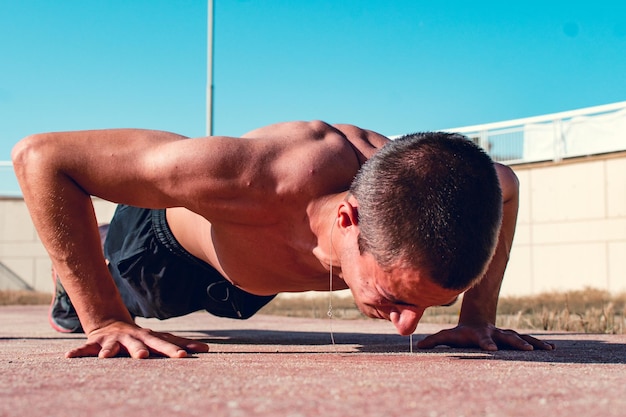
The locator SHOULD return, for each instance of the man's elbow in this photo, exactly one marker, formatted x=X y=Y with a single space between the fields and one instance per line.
x=29 y=153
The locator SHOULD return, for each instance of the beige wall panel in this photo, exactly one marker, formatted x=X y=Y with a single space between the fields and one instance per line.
x=580 y=231
x=22 y=249
x=616 y=187
x=569 y=266
x=568 y=192
x=15 y=222
x=617 y=267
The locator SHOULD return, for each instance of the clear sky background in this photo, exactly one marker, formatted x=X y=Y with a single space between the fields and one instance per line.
x=391 y=66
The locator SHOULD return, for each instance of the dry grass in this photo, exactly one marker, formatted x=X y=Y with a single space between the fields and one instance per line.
x=9 y=297
x=587 y=311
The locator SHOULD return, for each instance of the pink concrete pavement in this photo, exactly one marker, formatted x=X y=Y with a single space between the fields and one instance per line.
x=276 y=366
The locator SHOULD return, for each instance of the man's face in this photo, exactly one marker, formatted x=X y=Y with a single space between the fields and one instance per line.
x=400 y=295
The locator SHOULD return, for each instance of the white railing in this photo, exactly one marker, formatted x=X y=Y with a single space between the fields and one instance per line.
x=552 y=137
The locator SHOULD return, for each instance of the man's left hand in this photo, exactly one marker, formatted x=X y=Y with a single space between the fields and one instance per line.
x=486 y=337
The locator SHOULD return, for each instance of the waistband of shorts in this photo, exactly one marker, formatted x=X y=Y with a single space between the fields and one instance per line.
x=165 y=236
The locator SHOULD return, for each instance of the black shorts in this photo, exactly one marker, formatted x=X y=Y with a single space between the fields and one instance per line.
x=158 y=278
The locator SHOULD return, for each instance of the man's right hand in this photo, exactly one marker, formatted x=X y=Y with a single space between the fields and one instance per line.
x=124 y=338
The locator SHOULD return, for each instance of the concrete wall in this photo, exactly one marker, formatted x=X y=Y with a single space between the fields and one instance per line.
x=21 y=250
x=571 y=226
x=571 y=230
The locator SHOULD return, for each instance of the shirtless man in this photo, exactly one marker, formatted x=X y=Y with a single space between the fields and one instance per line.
x=273 y=211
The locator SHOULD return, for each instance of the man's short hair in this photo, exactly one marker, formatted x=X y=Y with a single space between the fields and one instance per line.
x=430 y=201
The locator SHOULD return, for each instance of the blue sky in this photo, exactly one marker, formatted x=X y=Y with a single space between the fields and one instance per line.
x=391 y=66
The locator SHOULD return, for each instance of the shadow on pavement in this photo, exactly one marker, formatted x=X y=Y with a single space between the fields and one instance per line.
x=569 y=349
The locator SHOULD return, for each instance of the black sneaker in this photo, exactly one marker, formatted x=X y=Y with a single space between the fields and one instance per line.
x=62 y=316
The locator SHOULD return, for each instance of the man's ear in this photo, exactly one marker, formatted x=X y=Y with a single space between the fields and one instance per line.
x=348 y=213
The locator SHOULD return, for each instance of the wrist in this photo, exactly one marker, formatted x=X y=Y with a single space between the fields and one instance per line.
x=98 y=317
x=474 y=313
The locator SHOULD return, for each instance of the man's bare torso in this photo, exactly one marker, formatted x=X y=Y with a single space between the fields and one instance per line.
x=274 y=237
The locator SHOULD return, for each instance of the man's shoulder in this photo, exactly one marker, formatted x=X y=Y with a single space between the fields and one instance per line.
x=365 y=142
x=327 y=144
x=318 y=134
x=311 y=156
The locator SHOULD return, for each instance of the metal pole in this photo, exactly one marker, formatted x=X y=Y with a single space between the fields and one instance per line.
x=209 y=87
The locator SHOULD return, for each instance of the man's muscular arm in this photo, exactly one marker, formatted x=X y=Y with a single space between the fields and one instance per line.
x=58 y=173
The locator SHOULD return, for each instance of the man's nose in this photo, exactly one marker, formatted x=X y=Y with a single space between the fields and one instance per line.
x=406 y=319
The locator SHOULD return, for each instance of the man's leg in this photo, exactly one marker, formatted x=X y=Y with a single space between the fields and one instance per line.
x=62 y=316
